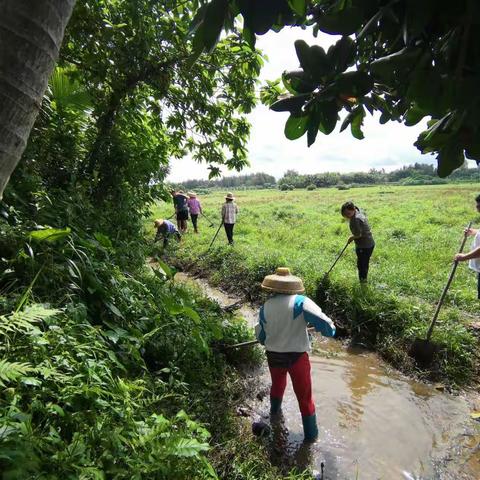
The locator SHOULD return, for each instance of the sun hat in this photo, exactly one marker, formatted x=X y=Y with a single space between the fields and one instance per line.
x=282 y=281
x=191 y=194
x=158 y=222
x=230 y=196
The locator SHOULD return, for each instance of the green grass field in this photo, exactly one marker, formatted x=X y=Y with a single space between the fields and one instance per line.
x=417 y=231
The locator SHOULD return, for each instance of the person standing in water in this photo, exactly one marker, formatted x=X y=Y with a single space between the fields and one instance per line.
x=361 y=235
x=229 y=216
x=282 y=329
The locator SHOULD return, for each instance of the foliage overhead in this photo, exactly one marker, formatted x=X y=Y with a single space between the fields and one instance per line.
x=403 y=59
x=135 y=59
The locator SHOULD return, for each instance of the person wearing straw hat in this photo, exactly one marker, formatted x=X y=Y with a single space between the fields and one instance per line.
x=282 y=329
x=195 y=208
x=229 y=216
x=165 y=230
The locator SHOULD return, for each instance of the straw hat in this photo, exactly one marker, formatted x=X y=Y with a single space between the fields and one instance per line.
x=283 y=282
x=158 y=222
x=191 y=194
x=230 y=196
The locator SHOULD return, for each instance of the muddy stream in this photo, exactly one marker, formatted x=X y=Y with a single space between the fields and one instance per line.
x=374 y=422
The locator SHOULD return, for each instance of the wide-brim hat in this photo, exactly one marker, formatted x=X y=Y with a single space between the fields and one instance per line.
x=182 y=194
x=191 y=194
x=158 y=222
x=282 y=281
x=230 y=196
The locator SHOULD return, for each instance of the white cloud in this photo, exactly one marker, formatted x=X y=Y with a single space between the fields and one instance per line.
x=385 y=146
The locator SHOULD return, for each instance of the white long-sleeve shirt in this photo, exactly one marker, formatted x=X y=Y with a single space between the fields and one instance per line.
x=283 y=320
x=474 y=263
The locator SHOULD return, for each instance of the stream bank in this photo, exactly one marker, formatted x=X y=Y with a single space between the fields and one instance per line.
x=374 y=422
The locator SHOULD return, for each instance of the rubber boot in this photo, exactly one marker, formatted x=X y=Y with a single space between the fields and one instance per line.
x=275 y=405
x=310 y=429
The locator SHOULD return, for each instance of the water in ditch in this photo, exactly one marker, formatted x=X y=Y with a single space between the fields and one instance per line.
x=374 y=423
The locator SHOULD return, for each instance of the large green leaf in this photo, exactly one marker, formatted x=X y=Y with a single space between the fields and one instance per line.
x=296 y=126
x=344 y=22
x=357 y=123
x=103 y=240
x=192 y=314
x=169 y=272
x=314 y=118
x=290 y=104
x=303 y=53
x=328 y=117
x=414 y=115
x=355 y=120
x=298 y=6
x=322 y=117
x=319 y=64
x=298 y=81
x=385 y=66
x=213 y=23
x=260 y=17
x=449 y=158
x=342 y=54
x=354 y=84
x=50 y=234
x=67 y=92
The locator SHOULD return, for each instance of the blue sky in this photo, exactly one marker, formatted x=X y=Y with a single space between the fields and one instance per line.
x=385 y=146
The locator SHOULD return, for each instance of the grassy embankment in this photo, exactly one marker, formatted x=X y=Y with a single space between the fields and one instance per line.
x=417 y=231
x=117 y=378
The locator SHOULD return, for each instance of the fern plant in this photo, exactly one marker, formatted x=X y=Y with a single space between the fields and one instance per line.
x=11 y=371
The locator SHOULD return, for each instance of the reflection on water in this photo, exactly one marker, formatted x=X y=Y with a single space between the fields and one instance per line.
x=374 y=423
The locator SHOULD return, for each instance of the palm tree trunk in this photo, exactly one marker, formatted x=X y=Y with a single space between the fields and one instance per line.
x=31 y=33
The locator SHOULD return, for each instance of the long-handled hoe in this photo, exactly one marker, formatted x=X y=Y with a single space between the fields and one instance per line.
x=424 y=350
x=207 y=219
x=251 y=342
x=336 y=260
x=215 y=237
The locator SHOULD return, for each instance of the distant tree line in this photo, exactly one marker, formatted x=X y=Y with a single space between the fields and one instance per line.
x=255 y=180
x=417 y=174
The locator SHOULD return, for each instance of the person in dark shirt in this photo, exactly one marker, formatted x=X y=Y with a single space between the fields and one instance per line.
x=165 y=230
x=180 y=201
x=361 y=235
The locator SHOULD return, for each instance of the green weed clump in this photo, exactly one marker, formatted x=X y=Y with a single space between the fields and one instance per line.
x=111 y=371
x=417 y=231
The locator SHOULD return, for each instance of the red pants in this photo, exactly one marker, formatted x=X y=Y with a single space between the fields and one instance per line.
x=301 y=382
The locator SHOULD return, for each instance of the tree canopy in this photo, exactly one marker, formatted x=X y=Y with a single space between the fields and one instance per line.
x=404 y=59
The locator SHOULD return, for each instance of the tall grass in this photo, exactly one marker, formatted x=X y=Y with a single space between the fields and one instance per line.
x=417 y=231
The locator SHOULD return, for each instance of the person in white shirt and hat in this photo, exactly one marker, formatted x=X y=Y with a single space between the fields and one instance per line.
x=474 y=255
x=282 y=329
x=229 y=216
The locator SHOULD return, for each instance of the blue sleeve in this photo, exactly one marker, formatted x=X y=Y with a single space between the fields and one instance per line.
x=298 y=305
x=313 y=314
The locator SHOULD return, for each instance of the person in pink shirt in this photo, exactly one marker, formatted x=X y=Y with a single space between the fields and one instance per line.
x=195 y=208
